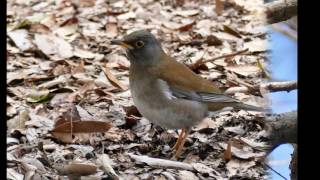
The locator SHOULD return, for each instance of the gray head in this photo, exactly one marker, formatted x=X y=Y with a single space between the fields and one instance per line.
x=141 y=46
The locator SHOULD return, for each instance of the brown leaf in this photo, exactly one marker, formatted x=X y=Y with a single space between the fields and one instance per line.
x=227 y=155
x=112 y=29
x=219 y=7
x=231 y=31
x=69 y=21
x=213 y=40
x=39 y=28
x=186 y=27
x=79 y=68
x=113 y=80
x=78 y=169
x=82 y=127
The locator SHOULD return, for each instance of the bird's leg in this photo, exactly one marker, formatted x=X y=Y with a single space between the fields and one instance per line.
x=179 y=149
x=176 y=146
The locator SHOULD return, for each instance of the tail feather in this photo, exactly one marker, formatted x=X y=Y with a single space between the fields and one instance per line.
x=249 y=107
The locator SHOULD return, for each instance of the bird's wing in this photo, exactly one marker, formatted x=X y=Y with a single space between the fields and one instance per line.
x=200 y=96
x=184 y=83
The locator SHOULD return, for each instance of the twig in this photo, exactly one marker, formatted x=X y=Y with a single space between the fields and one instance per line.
x=227 y=55
x=161 y=163
x=278 y=11
x=275 y=171
x=105 y=161
x=270 y=87
x=201 y=62
x=280 y=86
x=288 y=32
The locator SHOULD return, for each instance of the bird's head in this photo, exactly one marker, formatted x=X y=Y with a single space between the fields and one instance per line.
x=141 y=47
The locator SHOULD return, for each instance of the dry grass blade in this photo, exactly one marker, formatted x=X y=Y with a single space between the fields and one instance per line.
x=113 y=80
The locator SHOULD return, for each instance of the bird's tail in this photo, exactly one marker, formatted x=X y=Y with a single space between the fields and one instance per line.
x=248 y=107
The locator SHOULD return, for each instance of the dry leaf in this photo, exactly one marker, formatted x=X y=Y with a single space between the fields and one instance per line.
x=84 y=54
x=244 y=70
x=82 y=127
x=112 y=30
x=39 y=28
x=231 y=31
x=21 y=39
x=77 y=169
x=53 y=46
x=35 y=96
x=219 y=7
x=186 y=13
x=14 y=175
x=18 y=122
x=113 y=80
x=227 y=155
x=213 y=40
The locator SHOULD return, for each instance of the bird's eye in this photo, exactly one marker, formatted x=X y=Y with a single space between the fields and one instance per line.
x=139 y=44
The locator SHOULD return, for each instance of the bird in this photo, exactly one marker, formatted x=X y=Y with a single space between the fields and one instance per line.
x=167 y=92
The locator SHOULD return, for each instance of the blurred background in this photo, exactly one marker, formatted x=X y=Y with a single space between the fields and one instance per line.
x=283 y=65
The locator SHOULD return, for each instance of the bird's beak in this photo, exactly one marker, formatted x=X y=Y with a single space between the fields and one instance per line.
x=121 y=43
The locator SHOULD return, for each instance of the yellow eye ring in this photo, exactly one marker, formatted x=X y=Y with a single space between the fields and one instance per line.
x=139 y=44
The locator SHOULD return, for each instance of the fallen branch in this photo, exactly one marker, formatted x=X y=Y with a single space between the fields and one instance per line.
x=278 y=11
x=269 y=87
x=169 y=164
x=282 y=128
x=161 y=163
x=280 y=86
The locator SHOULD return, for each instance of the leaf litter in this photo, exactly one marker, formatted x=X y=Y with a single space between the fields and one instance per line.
x=65 y=78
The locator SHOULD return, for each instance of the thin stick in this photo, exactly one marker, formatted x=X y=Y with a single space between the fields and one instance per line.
x=162 y=163
x=201 y=62
x=275 y=171
x=227 y=55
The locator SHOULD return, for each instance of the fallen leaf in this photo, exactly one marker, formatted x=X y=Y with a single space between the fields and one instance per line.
x=82 y=127
x=213 y=40
x=186 y=27
x=113 y=80
x=53 y=46
x=186 y=13
x=14 y=175
x=235 y=166
x=227 y=155
x=219 y=7
x=39 y=28
x=244 y=70
x=231 y=31
x=256 y=45
x=83 y=53
x=187 y=175
x=126 y=16
x=18 y=122
x=112 y=30
x=21 y=39
x=35 y=96
x=78 y=169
